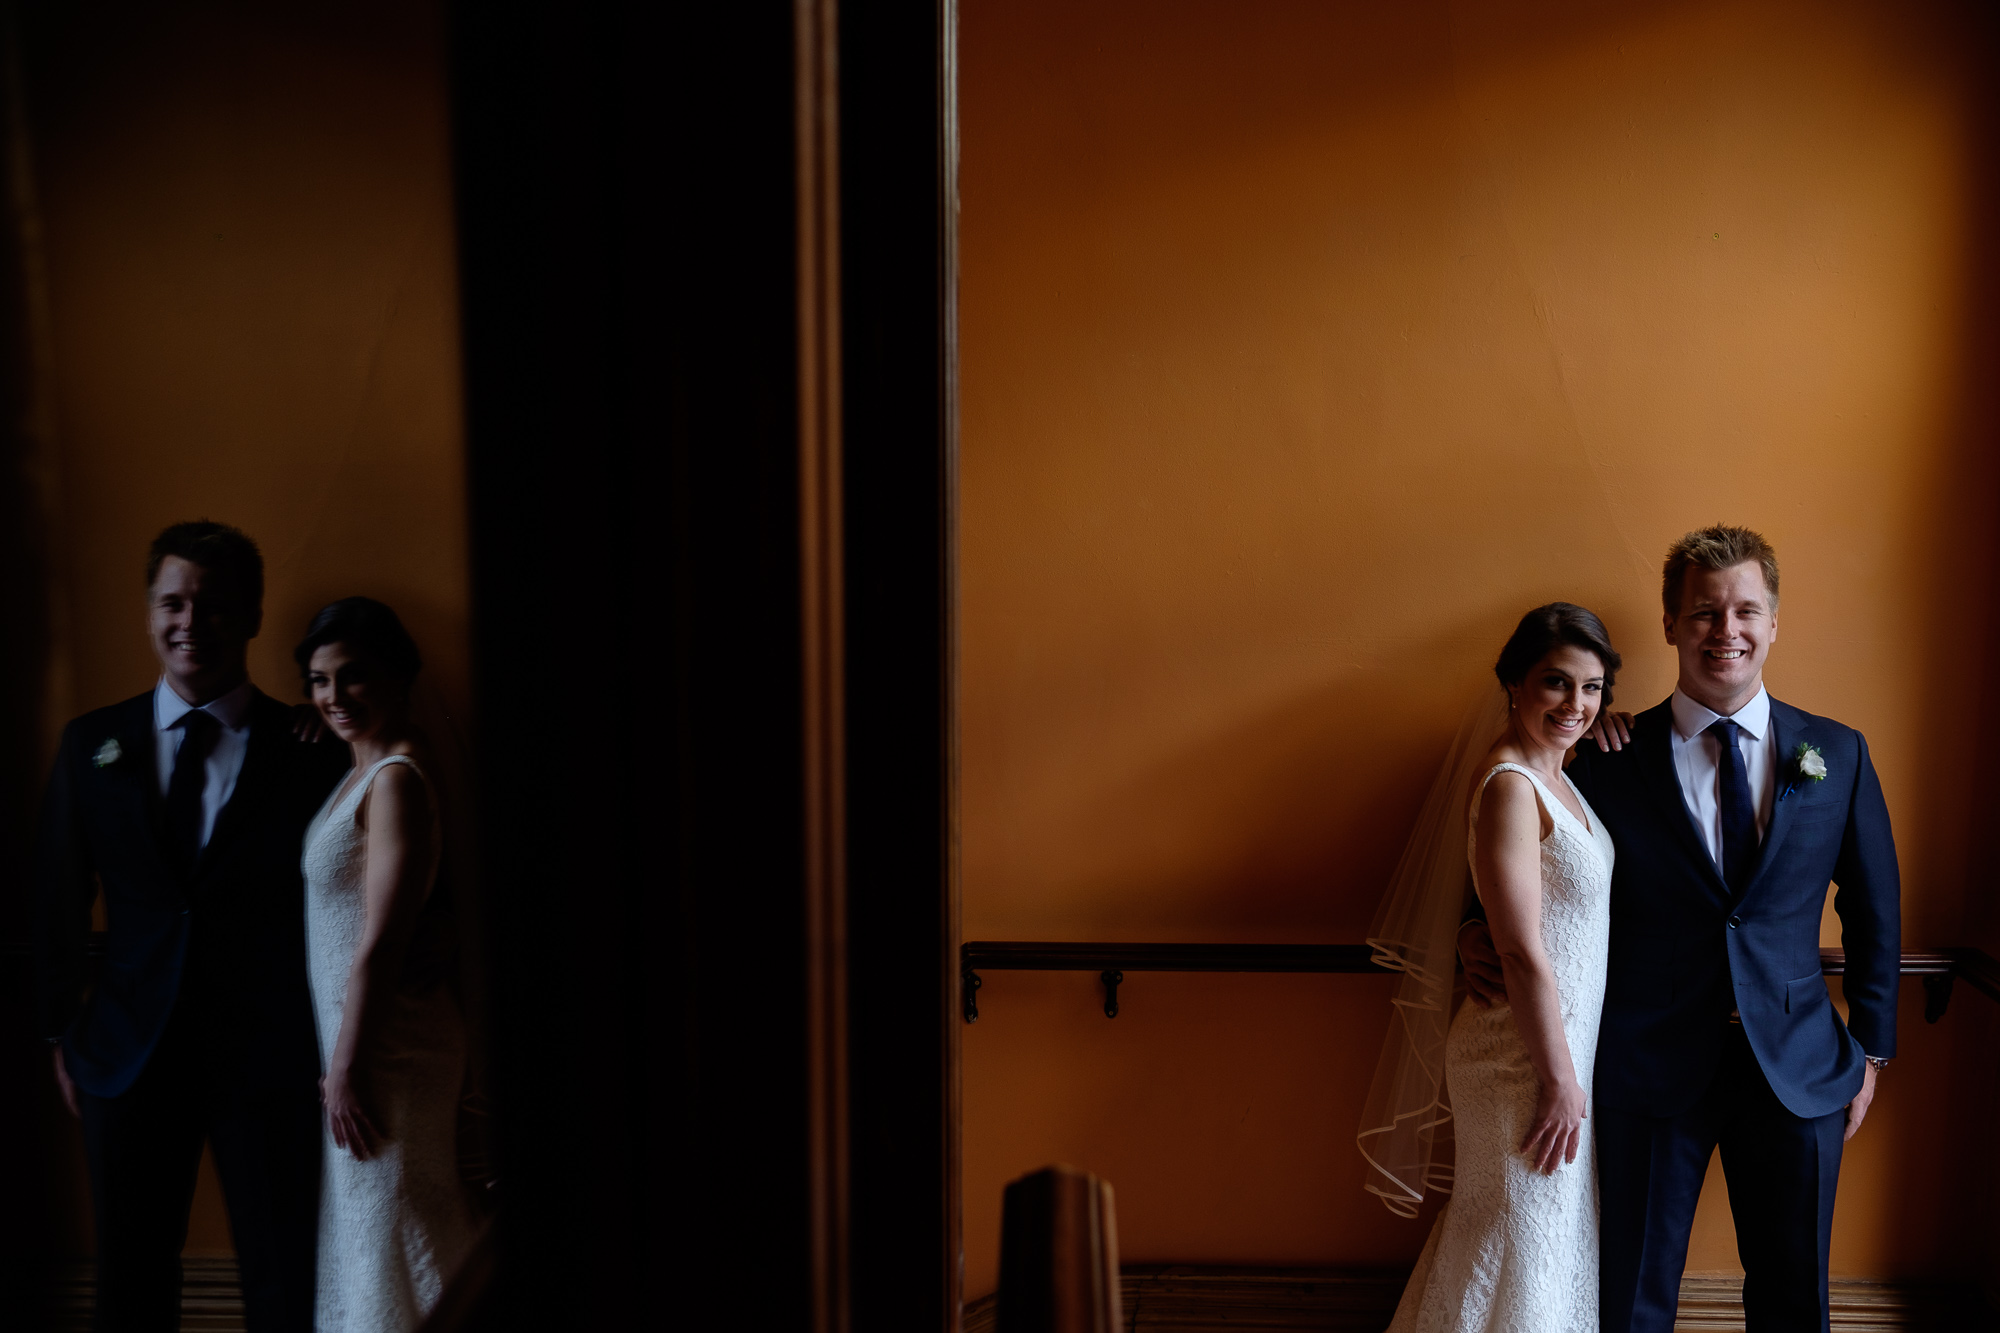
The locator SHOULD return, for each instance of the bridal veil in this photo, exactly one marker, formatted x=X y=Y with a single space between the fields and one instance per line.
x=1405 y=1129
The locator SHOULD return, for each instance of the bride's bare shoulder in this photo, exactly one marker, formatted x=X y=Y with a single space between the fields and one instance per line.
x=1503 y=751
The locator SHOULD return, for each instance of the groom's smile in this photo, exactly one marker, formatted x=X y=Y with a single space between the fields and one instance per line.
x=1727 y=623
x=200 y=624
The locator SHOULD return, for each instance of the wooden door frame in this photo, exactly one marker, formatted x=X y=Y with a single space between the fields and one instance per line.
x=707 y=262
x=898 y=150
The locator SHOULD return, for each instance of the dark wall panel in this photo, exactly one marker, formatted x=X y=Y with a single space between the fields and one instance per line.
x=896 y=278
x=628 y=228
x=626 y=199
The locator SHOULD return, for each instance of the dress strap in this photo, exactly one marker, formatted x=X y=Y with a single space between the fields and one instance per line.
x=1541 y=792
x=367 y=780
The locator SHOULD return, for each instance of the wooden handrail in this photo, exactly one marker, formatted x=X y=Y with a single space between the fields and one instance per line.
x=1034 y=956
x=1938 y=968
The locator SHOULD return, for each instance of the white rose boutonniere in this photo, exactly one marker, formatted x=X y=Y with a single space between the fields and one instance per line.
x=1808 y=765
x=108 y=753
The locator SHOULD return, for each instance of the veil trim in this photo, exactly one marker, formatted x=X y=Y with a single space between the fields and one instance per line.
x=1405 y=1133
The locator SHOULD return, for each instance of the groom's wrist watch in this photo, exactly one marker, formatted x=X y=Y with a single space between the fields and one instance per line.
x=1880 y=1062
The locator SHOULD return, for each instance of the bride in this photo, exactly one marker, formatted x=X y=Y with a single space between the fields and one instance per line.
x=1515 y=1248
x=394 y=1220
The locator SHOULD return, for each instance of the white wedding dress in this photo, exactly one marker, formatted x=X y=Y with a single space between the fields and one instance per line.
x=1515 y=1251
x=393 y=1228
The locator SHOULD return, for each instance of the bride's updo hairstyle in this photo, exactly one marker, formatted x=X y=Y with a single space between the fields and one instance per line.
x=1557 y=625
x=371 y=631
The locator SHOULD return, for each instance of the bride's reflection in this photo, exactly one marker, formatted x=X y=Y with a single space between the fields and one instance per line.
x=393 y=1217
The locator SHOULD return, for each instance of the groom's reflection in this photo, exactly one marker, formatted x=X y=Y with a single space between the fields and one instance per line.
x=187 y=804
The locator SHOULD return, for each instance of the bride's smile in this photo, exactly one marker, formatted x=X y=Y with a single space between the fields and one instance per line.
x=353 y=701
x=1558 y=700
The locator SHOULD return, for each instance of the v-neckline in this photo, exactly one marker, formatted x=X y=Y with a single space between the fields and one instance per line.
x=1581 y=821
x=355 y=780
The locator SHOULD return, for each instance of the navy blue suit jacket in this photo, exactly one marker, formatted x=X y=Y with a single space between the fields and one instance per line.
x=224 y=946
x=1685 y=951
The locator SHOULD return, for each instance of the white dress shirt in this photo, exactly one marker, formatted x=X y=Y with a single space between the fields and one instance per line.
x=225 y=761
x=1698 y=763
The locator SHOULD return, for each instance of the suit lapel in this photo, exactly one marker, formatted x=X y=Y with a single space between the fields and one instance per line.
x=139 y=739
x=1658 y=756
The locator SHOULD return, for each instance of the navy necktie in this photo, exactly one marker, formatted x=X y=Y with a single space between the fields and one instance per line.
x=1739 y=817
x=199 y=731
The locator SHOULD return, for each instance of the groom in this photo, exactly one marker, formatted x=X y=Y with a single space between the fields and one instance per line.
x=185 y=807
x=1731 y=813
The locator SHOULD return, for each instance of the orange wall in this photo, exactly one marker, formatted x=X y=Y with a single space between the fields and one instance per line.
x=1303 y=348
x=255 y=319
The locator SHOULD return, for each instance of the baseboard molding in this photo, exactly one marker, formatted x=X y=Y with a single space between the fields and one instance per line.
x=1716 y=1303
x=211 y=1299
x=1206 y=1298
x=1194 y=1298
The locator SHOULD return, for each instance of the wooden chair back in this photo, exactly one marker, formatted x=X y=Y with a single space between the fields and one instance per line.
x=1059 y=1255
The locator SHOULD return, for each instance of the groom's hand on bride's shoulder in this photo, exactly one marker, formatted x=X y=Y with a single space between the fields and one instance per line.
x=307 y=725
x=1485 y=982
x=1611 y=730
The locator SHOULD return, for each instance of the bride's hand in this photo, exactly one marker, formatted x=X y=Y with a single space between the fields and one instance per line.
x=1558 y=1127
x=352 y=1128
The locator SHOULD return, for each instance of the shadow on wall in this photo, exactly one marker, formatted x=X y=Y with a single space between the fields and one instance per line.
x=1275 y=827
x=1954 y=826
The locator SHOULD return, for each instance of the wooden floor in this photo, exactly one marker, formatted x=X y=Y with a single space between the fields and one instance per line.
x=1203 y=1299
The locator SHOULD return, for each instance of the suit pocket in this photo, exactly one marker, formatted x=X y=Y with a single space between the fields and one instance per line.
x=1805 y=992
x=1826 y=812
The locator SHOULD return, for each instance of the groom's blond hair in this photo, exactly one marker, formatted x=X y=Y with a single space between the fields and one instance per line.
x=1718 y=547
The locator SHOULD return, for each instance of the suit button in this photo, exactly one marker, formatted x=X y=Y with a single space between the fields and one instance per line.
x=1735 y=921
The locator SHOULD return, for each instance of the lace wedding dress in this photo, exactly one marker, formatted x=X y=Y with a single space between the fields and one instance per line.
x=1515 y=1251
x=393 y=1228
